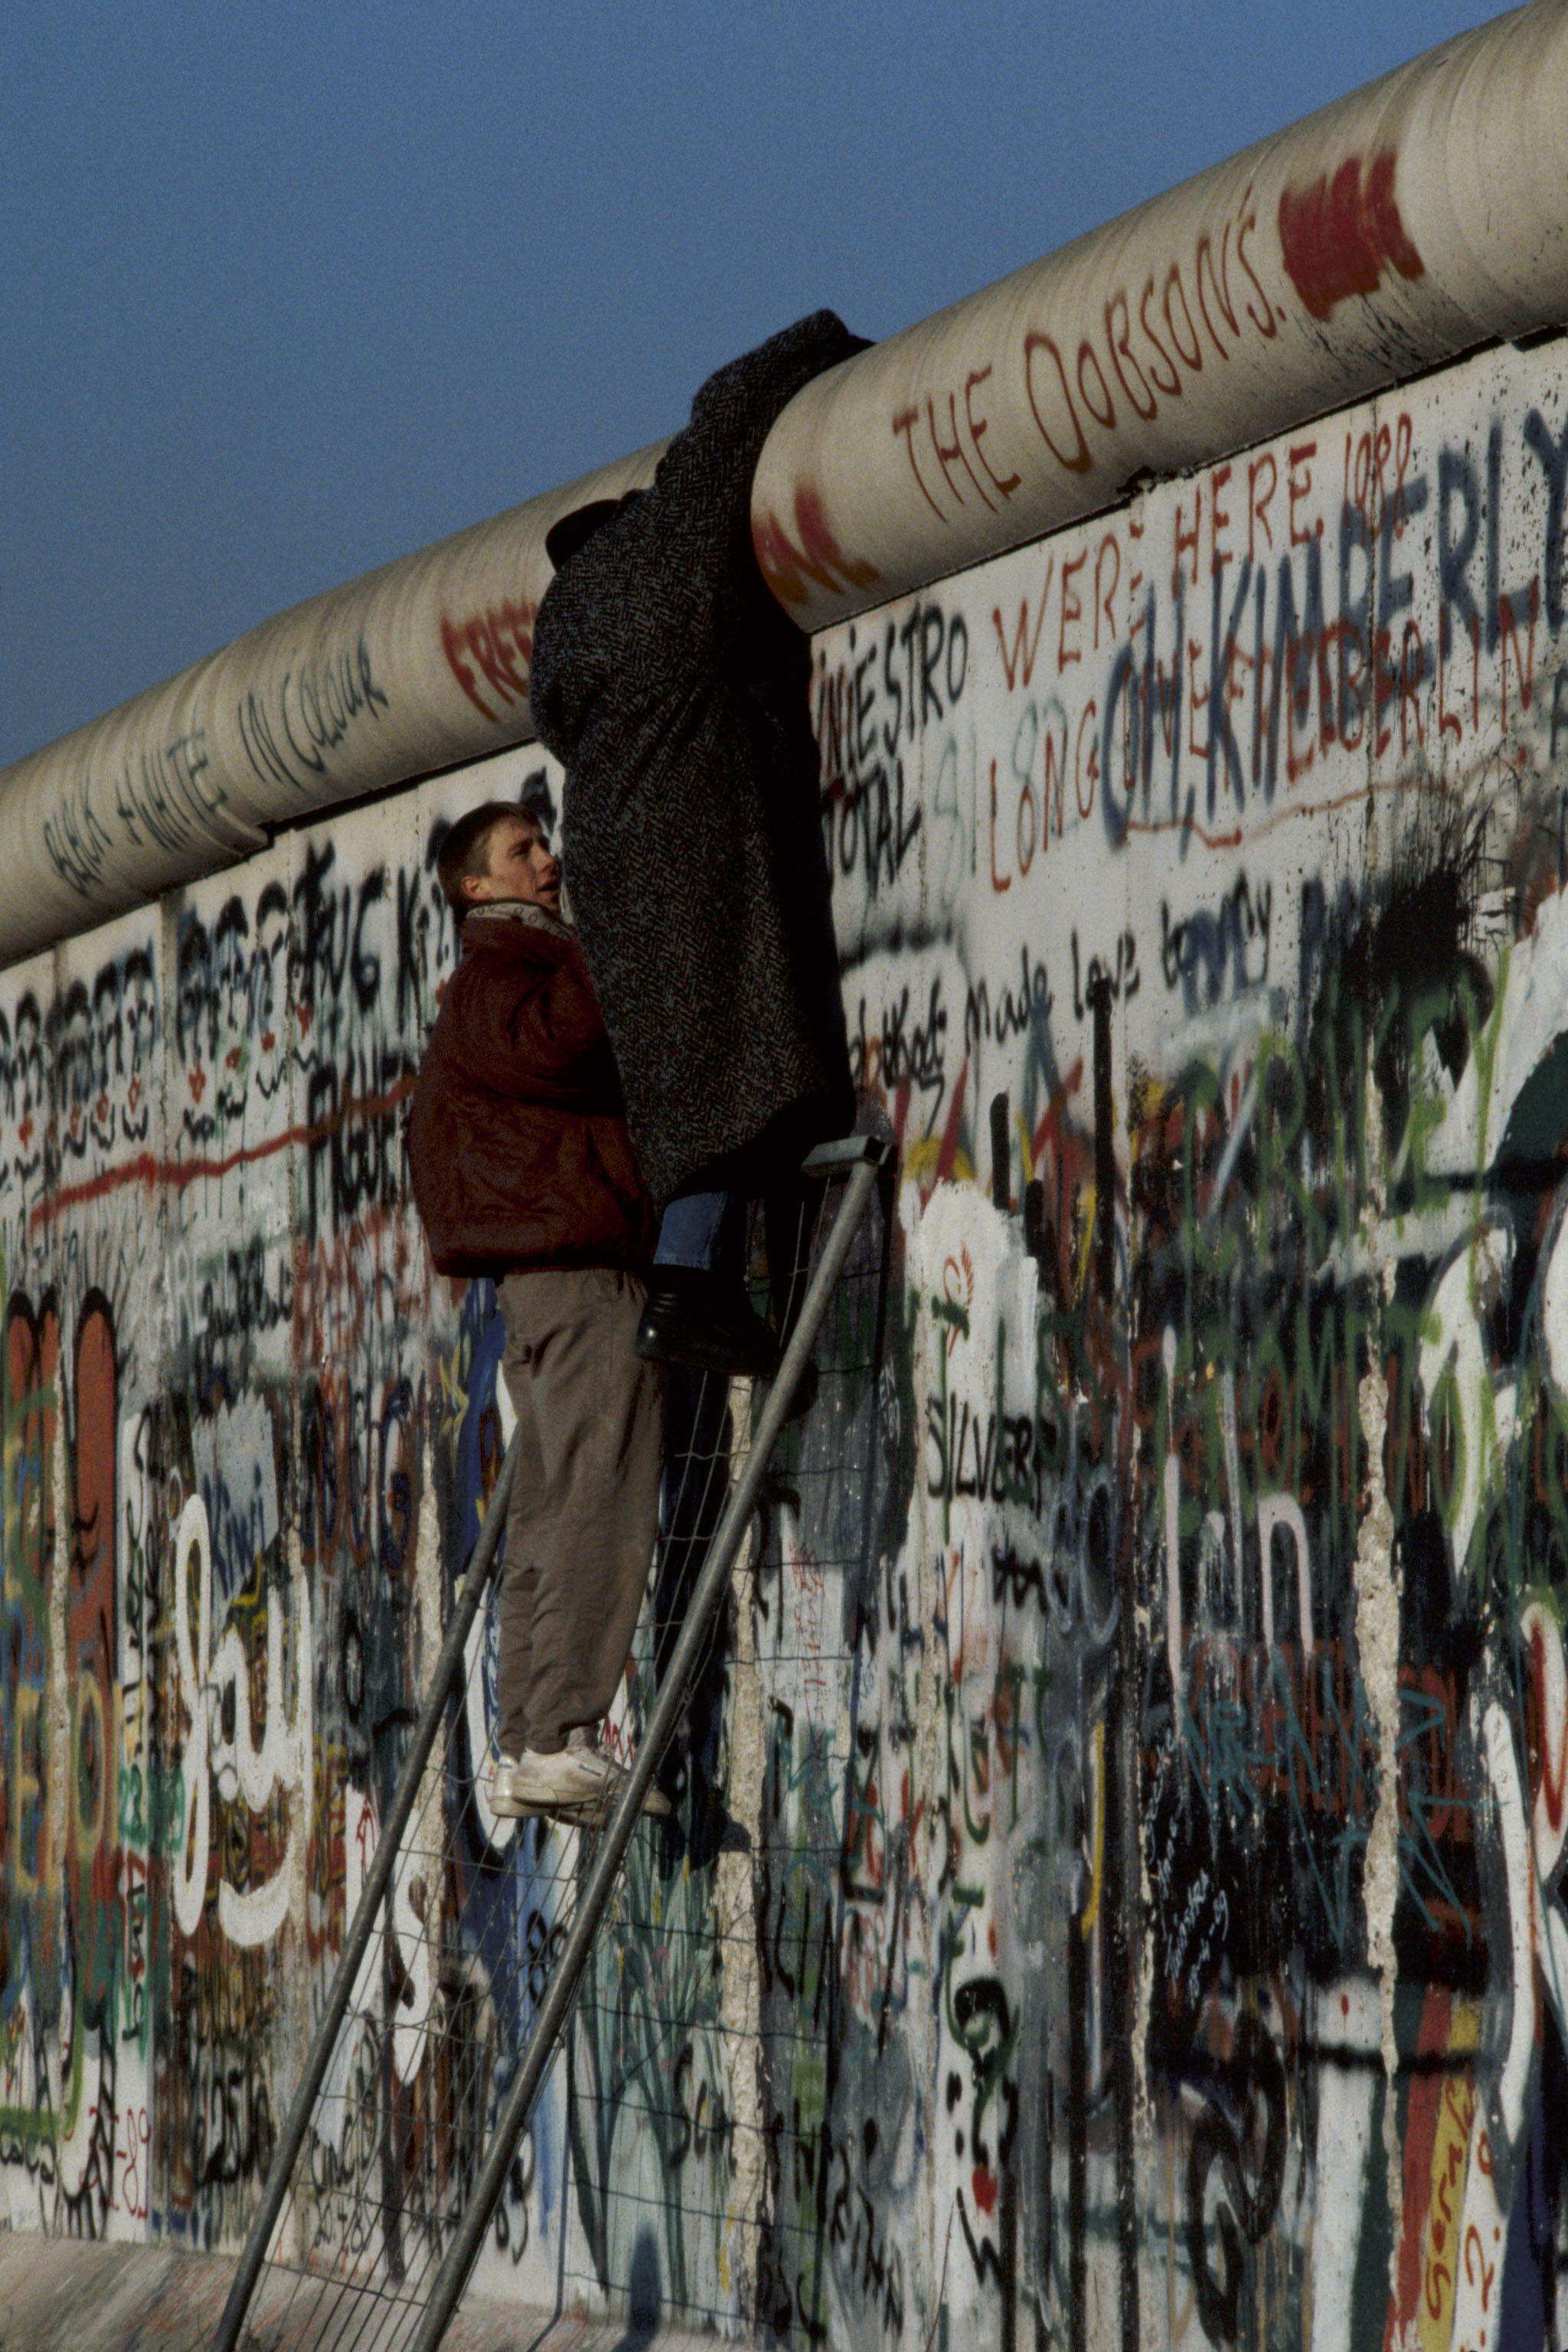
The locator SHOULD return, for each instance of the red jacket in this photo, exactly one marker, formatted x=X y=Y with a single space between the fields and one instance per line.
x=517 y=1142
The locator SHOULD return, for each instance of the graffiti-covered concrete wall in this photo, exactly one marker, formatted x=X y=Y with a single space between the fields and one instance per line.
x=1116 y=1895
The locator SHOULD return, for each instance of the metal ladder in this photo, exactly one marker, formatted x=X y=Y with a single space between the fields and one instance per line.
x=860 y=1162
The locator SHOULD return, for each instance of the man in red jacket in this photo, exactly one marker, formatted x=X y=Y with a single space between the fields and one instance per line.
x=523 y=1170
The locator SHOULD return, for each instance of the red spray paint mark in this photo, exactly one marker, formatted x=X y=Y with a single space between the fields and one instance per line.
x=1554 y=1737
x=950 y=1134
x=493 y=649
x=1050 y=1128
x=901 y=1114
x=178 y=1174
x=787 y=565
x=1420 y=2136
x=984 y=2184
x=1338 y=236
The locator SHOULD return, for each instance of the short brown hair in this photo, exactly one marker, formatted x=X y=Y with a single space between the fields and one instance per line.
x=464 y=849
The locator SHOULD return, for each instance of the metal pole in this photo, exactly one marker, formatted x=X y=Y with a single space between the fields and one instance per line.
x=865 y=1157
x=363 y=1927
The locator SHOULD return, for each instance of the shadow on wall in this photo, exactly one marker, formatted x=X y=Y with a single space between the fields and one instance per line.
x=645 y=2305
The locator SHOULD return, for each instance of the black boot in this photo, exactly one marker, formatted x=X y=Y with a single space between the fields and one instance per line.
x=704 y=1320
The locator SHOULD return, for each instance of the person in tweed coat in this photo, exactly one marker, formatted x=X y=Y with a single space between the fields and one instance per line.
x=674 y=691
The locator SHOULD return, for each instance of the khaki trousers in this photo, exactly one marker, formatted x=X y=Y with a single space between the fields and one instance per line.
x=584 y=1505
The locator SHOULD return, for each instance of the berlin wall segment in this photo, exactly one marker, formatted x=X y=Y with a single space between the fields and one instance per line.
x=1268 y=761
x=1132 y=1913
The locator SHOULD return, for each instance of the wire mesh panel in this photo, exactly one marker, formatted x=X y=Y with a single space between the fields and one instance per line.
x=683 y=2185
x=657 y=2100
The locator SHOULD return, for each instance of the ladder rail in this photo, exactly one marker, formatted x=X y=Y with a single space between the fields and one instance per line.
x=863 y=1158
x=378 y=1879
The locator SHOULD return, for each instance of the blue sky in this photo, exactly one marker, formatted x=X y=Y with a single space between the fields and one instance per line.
x=288 y=291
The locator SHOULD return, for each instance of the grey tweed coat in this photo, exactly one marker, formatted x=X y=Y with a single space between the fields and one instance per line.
x=675 y=691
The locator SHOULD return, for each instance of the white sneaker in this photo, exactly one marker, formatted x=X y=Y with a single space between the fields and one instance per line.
x=577 y=1784
x=512 y=1787
x=583 y=1743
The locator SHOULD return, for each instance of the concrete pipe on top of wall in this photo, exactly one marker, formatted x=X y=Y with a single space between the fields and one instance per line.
x=1395 y=228
x=1380 y=237
x=420 y=665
